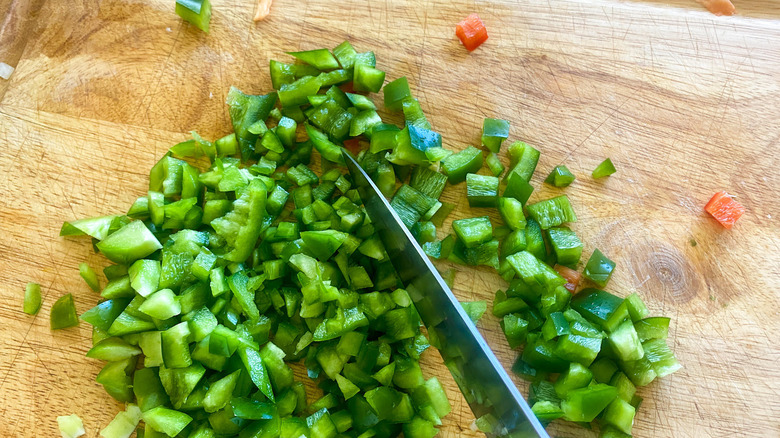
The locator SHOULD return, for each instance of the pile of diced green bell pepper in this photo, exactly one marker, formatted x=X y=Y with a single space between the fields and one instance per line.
x=241 y=260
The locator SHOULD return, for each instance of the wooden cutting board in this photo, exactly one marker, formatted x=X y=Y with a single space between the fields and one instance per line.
x=685 y=104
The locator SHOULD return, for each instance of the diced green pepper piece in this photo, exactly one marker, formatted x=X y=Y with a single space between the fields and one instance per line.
x=626 y=389
x=321 y=425
x=32 y=298
x=361 y=102
x=652 y=328
x=145 y=276
x=606 y=168
x=296 y=93
x=383 y=137
x=576 y=348
x=494 y=132
x=197 y=12
x=523 y=159
x=511 y=211
x=89 y=276
x=244 y=111
x=577 y=376
x=123 y=424
x=130 y=243
x=428 y=182
x=329 y=150
x=560 y=176
x=534 y=273
x=585 y=404
x=458 y=165
x=148 y=390
x=556 y=325
x=321 y=59
x=405 y=153
x=566 y=245
x=515 y=328
x=600 y=307
x=620 y=414
x=96 y=227
x=175 y=346
x=162 y=305
x=253 y=363
x=113 y=349
x=473 y=231
x=540 y=354
x=474 y=309
x=636 y=307
x=552 y=212
x=165 y=420
x=395 y=93
x=368 y=78
x=345 y=54
x=517 y=187
x=323 y=244
x=70 y=426
x=494 y=164
x=660 y=356
x=240 y=227
x=603 y=370
x=599 y=268
x=63 y=313
x=482 y=190
x=419 y=428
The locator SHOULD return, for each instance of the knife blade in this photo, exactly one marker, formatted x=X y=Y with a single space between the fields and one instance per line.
x=494 y=399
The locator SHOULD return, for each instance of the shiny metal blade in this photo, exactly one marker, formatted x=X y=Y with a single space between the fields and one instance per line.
x=492 y=395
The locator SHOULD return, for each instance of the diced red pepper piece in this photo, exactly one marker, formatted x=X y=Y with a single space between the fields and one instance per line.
x=472 y=32
x=724 y=209
x=571 y=276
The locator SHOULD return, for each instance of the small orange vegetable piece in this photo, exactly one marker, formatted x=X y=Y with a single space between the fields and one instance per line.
x=571 y=276
x=472 y=32
x=724 y=209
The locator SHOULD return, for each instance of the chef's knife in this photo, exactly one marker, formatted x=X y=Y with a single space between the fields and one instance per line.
x=495 y=401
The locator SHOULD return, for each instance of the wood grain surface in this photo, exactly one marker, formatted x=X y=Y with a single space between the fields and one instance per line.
x=685 y=104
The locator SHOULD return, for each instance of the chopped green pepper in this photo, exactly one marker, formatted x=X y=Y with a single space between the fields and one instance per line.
x=566 y=245
x=32 y=298
x=482 y=190
x=197 y=12
x=63 y=313
x=458 y=165
x=395 y=93
x=560 y=176
x=494 y=164
x=552 y=212
x=473 y=231
x=606 y=168
x=599 y=268
x=494 y=132
x=129 y=243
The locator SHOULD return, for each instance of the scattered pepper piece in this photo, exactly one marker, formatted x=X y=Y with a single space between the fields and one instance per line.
x=471 y=32
x=724 y=209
